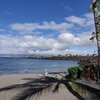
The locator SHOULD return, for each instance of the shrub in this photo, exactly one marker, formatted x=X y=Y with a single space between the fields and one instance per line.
x=75 y=72
x=98 y=81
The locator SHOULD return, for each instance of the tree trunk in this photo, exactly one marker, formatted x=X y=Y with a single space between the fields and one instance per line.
x=97 y=29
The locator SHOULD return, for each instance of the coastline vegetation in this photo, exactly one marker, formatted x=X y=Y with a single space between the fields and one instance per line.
x=75 y=72
x=58 y=57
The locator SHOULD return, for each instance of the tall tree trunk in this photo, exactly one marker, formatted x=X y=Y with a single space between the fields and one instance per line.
x=97 y=29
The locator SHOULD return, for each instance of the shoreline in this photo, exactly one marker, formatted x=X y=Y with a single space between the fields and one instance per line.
x=34 y=72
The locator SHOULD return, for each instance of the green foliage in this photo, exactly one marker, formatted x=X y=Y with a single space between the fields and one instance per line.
x=80 y=90
x=75 y=72
x=90 y=7
x=98 y=81
x=97 y=5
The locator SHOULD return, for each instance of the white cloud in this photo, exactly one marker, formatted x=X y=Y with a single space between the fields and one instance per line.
x=66 y=37
x=70 y=22
x=29 y=27
x=24 y=27
x=42 y=43
x=75 y=20
x=36 y=44
x=86 y=20
x=83 y=39
x=25 y=44
x=64 y=42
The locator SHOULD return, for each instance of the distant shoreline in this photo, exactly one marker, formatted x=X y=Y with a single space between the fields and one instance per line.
x=70 y=57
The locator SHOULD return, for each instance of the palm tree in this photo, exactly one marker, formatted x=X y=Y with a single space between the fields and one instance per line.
x=35 y=86
x=95 y=6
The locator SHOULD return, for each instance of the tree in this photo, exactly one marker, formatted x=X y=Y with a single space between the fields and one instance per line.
x=95 y=5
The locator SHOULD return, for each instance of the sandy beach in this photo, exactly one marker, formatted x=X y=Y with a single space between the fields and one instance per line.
x=18 y=79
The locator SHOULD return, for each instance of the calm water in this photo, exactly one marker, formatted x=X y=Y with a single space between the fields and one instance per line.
x=14 y=65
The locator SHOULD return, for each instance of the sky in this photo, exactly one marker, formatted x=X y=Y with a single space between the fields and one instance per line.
x=46 y=27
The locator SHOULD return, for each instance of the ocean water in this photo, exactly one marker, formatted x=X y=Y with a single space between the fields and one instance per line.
x=15 y=65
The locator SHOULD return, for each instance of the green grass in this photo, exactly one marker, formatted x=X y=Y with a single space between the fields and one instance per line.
x=80 y=90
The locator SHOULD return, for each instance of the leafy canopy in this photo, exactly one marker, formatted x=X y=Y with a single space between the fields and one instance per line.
x=97 y=5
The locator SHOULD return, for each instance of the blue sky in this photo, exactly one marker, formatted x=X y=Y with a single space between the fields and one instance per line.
x=12 y=11
x=46 y=27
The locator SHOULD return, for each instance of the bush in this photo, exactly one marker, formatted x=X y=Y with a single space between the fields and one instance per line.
x=75 y=72
x=98 y=81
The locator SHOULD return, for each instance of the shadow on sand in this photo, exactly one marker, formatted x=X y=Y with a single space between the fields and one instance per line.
x=35 y=86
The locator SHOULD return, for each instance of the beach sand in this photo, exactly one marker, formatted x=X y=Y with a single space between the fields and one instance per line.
x=9 y=80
